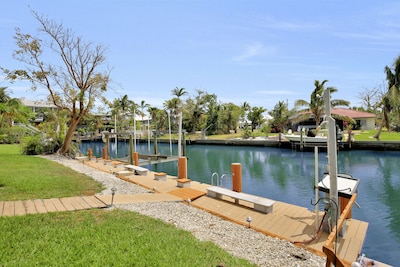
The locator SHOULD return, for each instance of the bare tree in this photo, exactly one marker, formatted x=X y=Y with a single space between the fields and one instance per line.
x=66 y=66
x=369 y=98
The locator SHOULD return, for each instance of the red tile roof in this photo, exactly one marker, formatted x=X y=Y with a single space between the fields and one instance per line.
x=355 y=114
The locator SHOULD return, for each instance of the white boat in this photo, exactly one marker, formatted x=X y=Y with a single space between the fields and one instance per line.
x=306 y=136
x=306 y=139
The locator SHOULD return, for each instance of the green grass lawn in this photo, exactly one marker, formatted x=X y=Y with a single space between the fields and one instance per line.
x=359 y=136
x=29 y=177
x=368 y=136
x=91 y=237
x=103 y=238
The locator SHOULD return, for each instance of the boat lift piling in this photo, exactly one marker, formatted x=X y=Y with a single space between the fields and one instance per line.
x=332 y=158
x=316 y=188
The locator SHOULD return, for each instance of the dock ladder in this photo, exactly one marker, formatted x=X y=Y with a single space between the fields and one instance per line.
x=221 y=181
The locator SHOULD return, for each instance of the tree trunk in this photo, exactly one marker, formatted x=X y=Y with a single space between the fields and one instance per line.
x=64 y=149
x=378 y=133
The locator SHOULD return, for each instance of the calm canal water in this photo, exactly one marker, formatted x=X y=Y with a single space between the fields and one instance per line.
x=288 y=176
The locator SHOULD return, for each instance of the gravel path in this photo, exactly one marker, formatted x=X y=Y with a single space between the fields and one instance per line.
x=236 y=239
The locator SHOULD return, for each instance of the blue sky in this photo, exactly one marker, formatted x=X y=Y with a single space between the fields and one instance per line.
x=260 y=52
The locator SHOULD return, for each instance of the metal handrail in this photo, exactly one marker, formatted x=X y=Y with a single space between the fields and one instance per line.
x=221 y=180
x=212 y=178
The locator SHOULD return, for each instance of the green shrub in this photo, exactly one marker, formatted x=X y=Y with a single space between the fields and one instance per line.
x=12 y=135
x=32 y=145
x=37 y=144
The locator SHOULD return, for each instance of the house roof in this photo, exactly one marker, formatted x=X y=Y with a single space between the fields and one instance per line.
x=36 y=103
x=352 y=113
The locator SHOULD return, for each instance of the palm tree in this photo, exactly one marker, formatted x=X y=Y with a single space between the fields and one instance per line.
x=256 y=117
x=120 y=108
x=172 y=107
x=244 y=109
x=143 y=105
x=11 y=109
x=316 y=104
x=4 y=97
x=178 y=92
x=157 y=117
x=390 y=99
x=280 y=115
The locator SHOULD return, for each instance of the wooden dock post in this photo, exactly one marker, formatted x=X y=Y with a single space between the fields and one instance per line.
x=236 y=177
x=104 y=153
x=90 y=153
x=182 y=172
x=136 y=158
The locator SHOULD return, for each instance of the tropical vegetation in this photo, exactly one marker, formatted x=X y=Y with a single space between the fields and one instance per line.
x=74 y=82
x=390 y=99
x=12 y=112
x=77 y=79
x=316 y=106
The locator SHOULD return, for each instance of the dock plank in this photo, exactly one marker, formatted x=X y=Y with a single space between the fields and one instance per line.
x=82 y=202
x=19 y=208
x=187 y=193
x=40 y=207
x=50 y=207
x=1 y=207
x=8 y=209
x=355 y=233
x=94 y=202
x=300 y=229
x=67 y=204
x=57 y=204
x=30 y=207
x=76 y=203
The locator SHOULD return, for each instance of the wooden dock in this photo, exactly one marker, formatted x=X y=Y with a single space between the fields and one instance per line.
x=289 y=222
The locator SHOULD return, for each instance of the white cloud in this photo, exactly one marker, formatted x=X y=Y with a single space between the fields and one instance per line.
x=252 y=51
x=281 y=25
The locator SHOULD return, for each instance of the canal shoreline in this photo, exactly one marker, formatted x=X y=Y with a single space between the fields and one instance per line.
x=275 y=142
x=375 y=145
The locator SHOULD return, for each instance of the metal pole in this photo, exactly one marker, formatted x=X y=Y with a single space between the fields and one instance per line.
x=130 y=149
x=169 y=127
x=148 y=134
x=115 y=136
x=134 y=130
x=180 y=135
x=316 y=187
x=332 y=156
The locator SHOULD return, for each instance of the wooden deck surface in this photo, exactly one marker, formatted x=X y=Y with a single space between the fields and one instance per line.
x=23 y=207
x=139 y=198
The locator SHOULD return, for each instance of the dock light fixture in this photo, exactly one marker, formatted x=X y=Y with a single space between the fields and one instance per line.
x=113 y=190
x=249 y=220
x=189 y=201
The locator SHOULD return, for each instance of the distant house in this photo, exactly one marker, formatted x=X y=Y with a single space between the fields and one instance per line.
x=38 y=107
x=364 y=120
